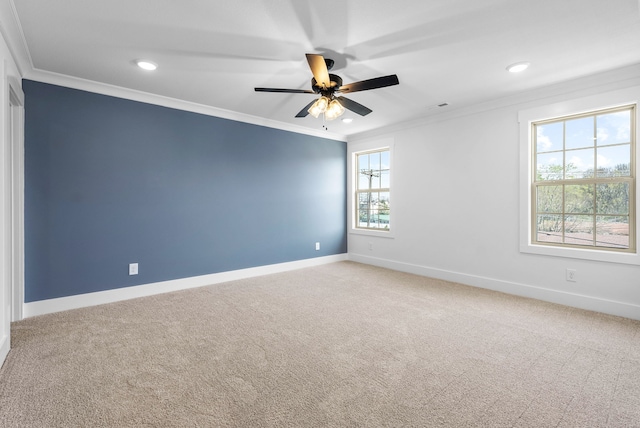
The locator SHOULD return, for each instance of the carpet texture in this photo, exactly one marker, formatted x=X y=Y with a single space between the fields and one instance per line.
x=339 y=345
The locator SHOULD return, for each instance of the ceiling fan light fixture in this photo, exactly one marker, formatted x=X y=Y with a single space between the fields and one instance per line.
x=518 y=67
x=319 y=107
x=334 y=110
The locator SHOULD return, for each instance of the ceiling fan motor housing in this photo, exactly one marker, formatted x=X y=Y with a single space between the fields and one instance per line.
x=335 y=83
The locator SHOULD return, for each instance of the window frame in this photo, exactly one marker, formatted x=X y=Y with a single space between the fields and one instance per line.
x=355 y=148
x=581 y=106
x=370 y=190
x=592 y=181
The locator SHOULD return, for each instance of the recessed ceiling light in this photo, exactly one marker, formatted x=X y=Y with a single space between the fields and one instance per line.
x=518 y=67
x=347 y=120
x=146 y=65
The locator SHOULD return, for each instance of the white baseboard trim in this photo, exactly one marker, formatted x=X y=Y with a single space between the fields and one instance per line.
x=5 y=344
x=524 y=290
x=42 y=307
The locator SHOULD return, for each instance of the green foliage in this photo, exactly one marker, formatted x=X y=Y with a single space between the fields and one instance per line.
x=578 y=208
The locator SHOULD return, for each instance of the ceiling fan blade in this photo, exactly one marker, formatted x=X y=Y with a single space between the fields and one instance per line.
x=305 y=111
x=319 y=70
x=288 y=91
x=365 y=85
x=354 y=106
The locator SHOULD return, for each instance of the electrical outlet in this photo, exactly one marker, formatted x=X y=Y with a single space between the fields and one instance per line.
x=571 y=275
x=370 y=246
x=317 y=246
x=133 y=268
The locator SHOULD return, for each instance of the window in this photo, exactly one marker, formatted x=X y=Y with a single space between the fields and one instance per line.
x=372 y=200
x=583 y=184
x=575 y=205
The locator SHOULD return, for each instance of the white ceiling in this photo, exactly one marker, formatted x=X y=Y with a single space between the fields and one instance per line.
x=214 y=52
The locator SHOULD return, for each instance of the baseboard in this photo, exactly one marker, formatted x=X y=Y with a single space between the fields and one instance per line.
x=48 y=306
x=540 y=293
x=5 y=344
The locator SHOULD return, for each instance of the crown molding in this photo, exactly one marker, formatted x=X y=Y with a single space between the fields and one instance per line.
x=11 y=31
x=149 y=98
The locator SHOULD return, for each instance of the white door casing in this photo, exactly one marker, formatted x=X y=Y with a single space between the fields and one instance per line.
x=5 y=228
x=11 y=208
x=16 y=135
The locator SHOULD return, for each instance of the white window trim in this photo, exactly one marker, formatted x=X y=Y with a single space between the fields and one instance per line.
x=378 y=144
x=577 y=106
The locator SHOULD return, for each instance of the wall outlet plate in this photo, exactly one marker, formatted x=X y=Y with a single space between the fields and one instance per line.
x=571 y=275
x=133 y=268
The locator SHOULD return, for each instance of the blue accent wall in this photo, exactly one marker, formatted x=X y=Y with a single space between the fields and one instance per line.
x=110 y=181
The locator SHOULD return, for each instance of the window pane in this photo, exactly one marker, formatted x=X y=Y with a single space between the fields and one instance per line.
x=369 y=174
x=363 y=181
x=363 y=209
x=612 y=198
x=614 y=161
x=366 y=208
x=579 y=133
x=614 y=128
x=549 y=137
x=384 y=179
x=363 y=162
x=579 y=163
x=384 y=160
x=578 y=230
x=549 y=228
x=612 y=232
x=373 y=219
x=549 y=166
x=549 y=199
x=375 y=200
x=364 y=220
x=383 y=201
x=375 y=179
x=578 y=199
x=374 y=161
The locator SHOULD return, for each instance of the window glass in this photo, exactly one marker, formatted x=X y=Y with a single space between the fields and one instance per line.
x=373 y=203
x=579 y=133
x=614 y=128
x=549 y=137
x=583 y=186
x=579 y=163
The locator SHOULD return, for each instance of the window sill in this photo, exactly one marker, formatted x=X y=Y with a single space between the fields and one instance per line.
x=370 y=232
x=583 y=254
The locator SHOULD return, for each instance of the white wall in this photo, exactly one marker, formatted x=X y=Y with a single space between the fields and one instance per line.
x=455 y=206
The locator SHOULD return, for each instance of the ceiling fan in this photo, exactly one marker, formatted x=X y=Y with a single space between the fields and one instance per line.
x=327 y=85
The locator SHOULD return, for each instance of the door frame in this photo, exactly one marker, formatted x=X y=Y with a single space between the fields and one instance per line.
x=15 y=131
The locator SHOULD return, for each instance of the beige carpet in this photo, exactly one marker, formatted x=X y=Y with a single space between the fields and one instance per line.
x=340 y=345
